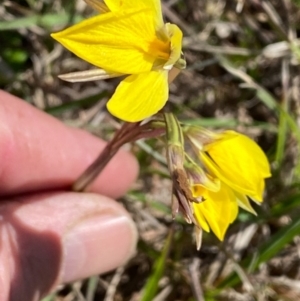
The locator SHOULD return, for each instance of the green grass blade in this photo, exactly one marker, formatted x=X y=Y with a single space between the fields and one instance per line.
x=151 y=286
x=281 y=139
x=277 y=242
x=92 y=288
x=228 y=123
x=266 y=251
x=76 y=104
x=286 y=206
x=265 y=96
x=49 y=297
x=46 y=21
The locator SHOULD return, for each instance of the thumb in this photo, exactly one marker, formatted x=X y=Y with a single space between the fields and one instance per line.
x=48 y=239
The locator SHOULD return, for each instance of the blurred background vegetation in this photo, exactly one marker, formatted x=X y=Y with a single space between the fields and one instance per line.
x=243 y=73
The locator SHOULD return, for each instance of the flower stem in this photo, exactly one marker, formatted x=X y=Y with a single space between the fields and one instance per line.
x=129 y=132
x=112 y=147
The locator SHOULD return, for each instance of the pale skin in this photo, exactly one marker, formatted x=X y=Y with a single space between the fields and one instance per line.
x=49 y=235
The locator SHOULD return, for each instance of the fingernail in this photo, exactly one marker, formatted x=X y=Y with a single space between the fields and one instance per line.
x=97 y=245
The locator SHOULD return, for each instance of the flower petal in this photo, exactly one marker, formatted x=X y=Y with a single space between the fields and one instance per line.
x=200 y=217
x=239 y=162
x=154 y=5
x=219 y=209
x=175 y=35
x=244 y=203
x=121 y=42
x=140 y=96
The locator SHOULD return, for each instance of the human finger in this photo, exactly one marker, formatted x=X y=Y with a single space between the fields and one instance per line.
x=39 y=152
x=52 y=238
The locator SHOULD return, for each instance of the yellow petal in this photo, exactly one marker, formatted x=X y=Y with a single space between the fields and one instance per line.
x=140 y=96
x=244 y=203
x=239 y=162
x=121 y=42
x=175 y=35
x=219 y=209
x=200 y=217
x=154 y=5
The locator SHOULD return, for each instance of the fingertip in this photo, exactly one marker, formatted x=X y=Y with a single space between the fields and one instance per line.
x=98 y=244
x=68 y=236
x=39 y=152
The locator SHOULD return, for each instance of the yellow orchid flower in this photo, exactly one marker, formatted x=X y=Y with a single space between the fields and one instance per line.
x=127 y=38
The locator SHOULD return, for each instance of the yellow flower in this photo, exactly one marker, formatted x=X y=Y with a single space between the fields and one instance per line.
x=239 y=162
x=231 y=168
x=217 y=210
x=240 y=166
x=127 y=38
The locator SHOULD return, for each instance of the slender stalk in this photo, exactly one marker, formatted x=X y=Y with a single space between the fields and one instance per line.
x=92 y=172
x=129 y=132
